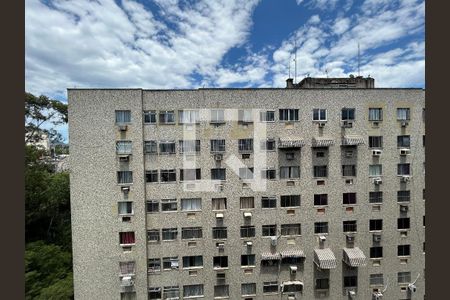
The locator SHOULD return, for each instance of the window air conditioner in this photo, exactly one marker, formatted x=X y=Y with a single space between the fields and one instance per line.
x=322 y=238
x=127 y=281
x=377 y=181
x=352 y=294
x=404 y=178
x=405 y=151
x=290 y=156
x=349 y=154
x=350 y=238
x=293 y=269
x=403 y=208
x=404 y=123
x=273 y=241
x=247 y=215
x=219 y=187
x=376 y=152
x=377 y=295
x=291 y=297
x=412 y=287
x=248 y=244
x=347 y=124
x=321 y=124
x=123 y=127
x=219 y=216
x=218 y=157
x=125 y=189
x=377 y=237
x=221 y=246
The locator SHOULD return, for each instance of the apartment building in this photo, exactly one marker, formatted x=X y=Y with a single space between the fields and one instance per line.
x=274 y=193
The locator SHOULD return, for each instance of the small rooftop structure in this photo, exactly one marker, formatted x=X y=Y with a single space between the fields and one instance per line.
x=358 y=82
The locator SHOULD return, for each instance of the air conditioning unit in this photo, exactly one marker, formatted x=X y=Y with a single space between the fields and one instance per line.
x=247 y=215
x=273 y=241
x=290 y=156
x=122 y=127
x=321 y=124
x=347 y=124
x=405 y=178
x=404 y=123
x=221 y=246
x=248 y=244
x=349 y=154
x=405 y=151
x=127 y=281
x=219 y=187
x=376 y=152
x=403 y=208
x=291 y=297
x=412 y=287
x=375 y=124
x=322 y=238
x=350 y=238
x=125 y=189
x=352 y=294
x=377 y=180
x=293 y=269
x=218 y=157
x=377 y=295
x=376 y=237
x=219 y=216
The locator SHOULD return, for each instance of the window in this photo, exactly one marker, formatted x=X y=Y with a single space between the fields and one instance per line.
x=247 y=202
x=171 y=292
x=123 y=116
x=220 y=262
x=269 y=230
x=319 y=114
x=269 y=202
x=290 y=201
x=167 y=147
x=268 y=145
x=247 y=231
x=154 y=265
x=170 y=263
x=320 y=199
x=376 y=279
x=320 y=153
x=348 y=170
x=191 y=204
x=375 y=197
x=246 y=173
x=150 y=117
x=169 y=205
x=169 y=234
x=375 y=114
x=194 y=290
x=291 y=229
x=403 y=114
x=348 y=198
x=127 y=267
x=217 y=145
x=190 y=174
x=290 y=172
x=248 y=260
x=322 y=284
x=403 y=196
x=151 y=176
x=376 y=252
x=245 y=145
x=152 y=206
x=403 y=223
x=267 y=116
x=320 y=227
x=219 y=203
x=350 y=281
x=123 y=147
x=128 y=296
x=404 y=277
x=403 y=141
x=348 y=114
x=125 y=208
x=126 y=238
x=192 y=261
x=167 y=117
x=320 y=171
x=218 y=174
x=219 y=232
x=168 y=175
x=217 y=116
x=124 y=177
x=248 y=289
x=268 y=174
x=375 y=170
x=153 y=235
x=188 y=116
x=245 y=116
x=150 y=147
x=154 y=293
x=349 y=226
x=404 y=250
x=403 y=169
x=375 y=142
x=270 y=287
x=189 y=146
x=288 y=114
x=188 y=233
x=221 y=290
x=375 y=224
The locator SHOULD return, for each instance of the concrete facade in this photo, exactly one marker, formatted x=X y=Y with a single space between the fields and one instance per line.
x=95 y=192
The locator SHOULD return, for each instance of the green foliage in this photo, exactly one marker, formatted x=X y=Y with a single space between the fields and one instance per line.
x=48 y=272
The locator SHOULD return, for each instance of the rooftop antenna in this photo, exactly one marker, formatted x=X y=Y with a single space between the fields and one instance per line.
x=326 y=72
x=295 y=59
x=289 y=67
x=358 y=60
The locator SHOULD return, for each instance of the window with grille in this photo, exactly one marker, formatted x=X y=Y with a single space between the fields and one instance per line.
x=127 y=267
x=217 y=145
x=151 y=176
x=168 y=175
x=320 y=227
x=290 y=201
x=376 y=197
x=349 y=226
x=126 y=238
x=290 y=172
x=150 y=117
x=192 y=261
x=123 y=116
x=169 y=234
x=153 y=235
x=247 y=231
x=375 y=142
x=219 y=232
x=167 y=117
x=348 y=114
x=154 y=265
x=150 y=147
x=270 y=287
x=320 y=171
x=375 y=114
x=269 y=202
x=349 y=198
x=376 y=252
x=245 y=145
x=288 y=114
x=171 y=292
x=188 y=233
x=124 y=177
x=267 y=116
x=189 y=146
x=348 y=170
x=218 y=174
x=404 y=277
x=320 y=199
x=247 y=202
x=403 y=196
x=269 y=230
x=291 y=229
x=220 y=262
x=376 y=279
x=375 y=224
x=219 y=203
x=123 y=147
x=169 y=205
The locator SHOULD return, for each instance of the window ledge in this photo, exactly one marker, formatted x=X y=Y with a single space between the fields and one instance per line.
x=193 y=268
x=127 y=245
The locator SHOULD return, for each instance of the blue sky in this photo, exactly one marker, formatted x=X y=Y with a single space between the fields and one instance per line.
x=212 y=43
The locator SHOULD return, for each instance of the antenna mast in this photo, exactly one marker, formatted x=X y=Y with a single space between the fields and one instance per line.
x=358 y=60
x=295 y=59
x=289 y=67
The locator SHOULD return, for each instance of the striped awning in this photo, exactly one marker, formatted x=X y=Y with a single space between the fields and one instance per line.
x=291 y=142
x=291 y=286
x=270 y=256
x=294 y=282
x=292 y=254
x=354 y=257
x=324 y=258
x=353 y=140
x=322 y=142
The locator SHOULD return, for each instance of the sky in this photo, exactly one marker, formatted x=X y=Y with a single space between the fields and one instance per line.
x=175 y=44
